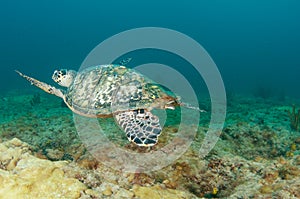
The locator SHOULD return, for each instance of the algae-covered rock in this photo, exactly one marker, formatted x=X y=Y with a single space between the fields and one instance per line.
x=11 y=152
x=32 y=177
x=157 y=192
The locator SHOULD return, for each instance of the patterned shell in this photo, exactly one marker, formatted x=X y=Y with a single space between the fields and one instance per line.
x=96 y=89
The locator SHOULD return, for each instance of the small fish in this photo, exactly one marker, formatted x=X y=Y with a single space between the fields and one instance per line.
x=123 y=62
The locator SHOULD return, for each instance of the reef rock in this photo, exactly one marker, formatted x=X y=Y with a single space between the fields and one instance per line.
x=157 y=192
x=23 y=175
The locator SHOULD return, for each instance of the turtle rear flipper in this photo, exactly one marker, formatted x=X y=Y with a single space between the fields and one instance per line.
x=46 y=87
x=140 y=126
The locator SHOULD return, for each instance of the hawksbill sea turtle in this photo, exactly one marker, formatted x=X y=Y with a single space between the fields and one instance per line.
x=92 y=91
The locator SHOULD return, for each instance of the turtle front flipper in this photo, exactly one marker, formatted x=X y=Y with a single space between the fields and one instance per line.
x=46 y=87
x=140 y=126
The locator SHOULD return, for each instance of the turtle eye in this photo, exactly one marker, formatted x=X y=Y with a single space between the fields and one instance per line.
x=63 y=72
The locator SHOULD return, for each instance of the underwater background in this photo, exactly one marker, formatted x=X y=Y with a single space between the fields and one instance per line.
x=254 y=44
x=256 y=47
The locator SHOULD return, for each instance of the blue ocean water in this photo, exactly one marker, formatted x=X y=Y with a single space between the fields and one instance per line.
x=255 y=44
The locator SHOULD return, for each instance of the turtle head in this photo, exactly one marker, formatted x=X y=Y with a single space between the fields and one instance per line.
x=64 y=77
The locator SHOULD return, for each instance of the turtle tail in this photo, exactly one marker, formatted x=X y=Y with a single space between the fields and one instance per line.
x=46 y=87
x=174 y=102
x=189 y=106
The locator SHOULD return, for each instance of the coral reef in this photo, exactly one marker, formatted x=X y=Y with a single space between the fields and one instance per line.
x=257 y=155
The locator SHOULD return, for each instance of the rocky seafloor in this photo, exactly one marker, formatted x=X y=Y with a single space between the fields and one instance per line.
x=42 y=156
